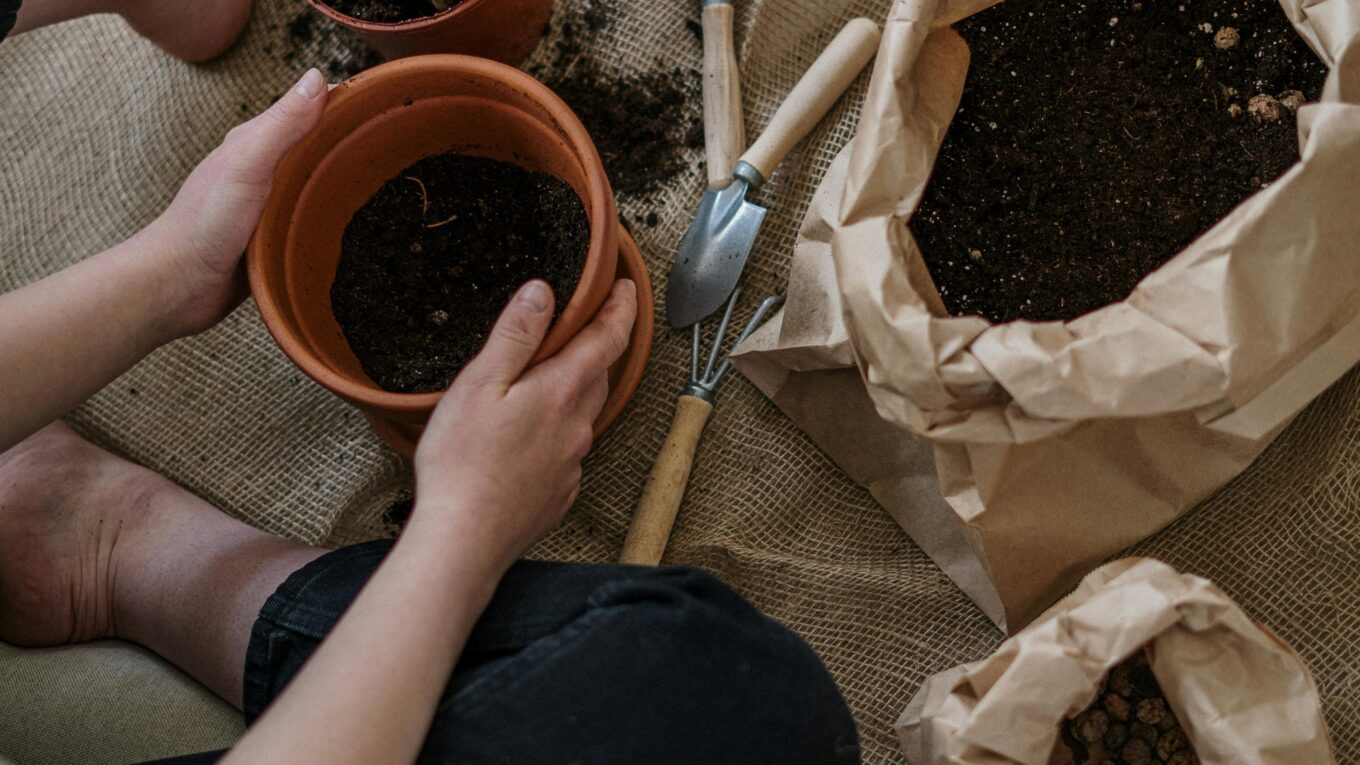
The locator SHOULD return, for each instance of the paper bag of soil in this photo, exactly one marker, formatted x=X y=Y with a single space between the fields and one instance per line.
x=1021 y=455
x=1236 y=691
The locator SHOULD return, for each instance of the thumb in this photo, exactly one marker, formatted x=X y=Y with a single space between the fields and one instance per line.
x=516 y=337
x=262 y=142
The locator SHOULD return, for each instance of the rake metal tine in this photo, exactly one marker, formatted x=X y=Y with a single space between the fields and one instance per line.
x=766 y=305
x=722 y=332
x=696 y=338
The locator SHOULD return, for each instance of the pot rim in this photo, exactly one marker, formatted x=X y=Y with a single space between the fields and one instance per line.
x=370 y=395
x=394 y=26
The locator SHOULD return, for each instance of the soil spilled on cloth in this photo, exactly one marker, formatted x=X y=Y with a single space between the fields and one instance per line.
x=1096 y=139
x=314 y=40
x=429 y=261
x=396 y=515
x=647 y=126
x=389 y=11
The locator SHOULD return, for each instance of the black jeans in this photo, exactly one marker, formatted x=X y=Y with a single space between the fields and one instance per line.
x=9 y=11
x=588 y=664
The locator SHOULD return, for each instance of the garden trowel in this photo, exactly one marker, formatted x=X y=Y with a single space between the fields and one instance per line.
x=714 y=250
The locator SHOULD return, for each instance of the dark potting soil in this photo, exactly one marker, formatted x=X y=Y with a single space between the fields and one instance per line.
x=1097 y=138
x=429 y=261
x=389 y=11
x=647 y=126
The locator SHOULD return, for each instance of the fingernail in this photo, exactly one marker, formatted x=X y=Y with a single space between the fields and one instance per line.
x=311 y=84
x=534 y=296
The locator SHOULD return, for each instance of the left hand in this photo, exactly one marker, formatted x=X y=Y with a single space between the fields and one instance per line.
x=205 y=230
x=500 y=461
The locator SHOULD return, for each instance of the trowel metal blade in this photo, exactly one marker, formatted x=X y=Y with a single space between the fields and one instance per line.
x=712 y=254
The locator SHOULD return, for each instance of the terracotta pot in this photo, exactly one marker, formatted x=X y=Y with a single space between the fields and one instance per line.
x=375 y=125
x=501 y=30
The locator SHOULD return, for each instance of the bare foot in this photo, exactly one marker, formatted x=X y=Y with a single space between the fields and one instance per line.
x=93 y=546
x=187 y=30
x=69 y=512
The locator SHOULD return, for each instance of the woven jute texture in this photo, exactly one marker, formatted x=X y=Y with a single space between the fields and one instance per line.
x=97 y=130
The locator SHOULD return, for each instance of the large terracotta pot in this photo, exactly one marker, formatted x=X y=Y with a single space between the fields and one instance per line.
x=374 y=126
x=502 y=30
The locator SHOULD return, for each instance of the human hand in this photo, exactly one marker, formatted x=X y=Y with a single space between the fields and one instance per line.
x=204 y=231
x=500 y=461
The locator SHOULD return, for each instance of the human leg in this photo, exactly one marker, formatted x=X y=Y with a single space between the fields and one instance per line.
x=602 y=663
x=92 y=546
x=189 y=31
x=591 y=663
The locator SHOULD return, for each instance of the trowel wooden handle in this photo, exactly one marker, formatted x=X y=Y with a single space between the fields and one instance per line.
x=814 y=95
x=724 y=128
x=665 y=486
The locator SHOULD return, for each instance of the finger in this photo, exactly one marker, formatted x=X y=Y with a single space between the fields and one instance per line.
x=592 y=400
x=516 y=336
x=571 y=496
x=601 y=343
x=258 y=145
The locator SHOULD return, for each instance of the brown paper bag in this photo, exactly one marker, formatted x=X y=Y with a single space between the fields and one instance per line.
x=1058 y=444
x=1242 y=695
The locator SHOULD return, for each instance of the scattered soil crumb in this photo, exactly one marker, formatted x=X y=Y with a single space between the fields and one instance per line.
x=429 y=261
x=396 y=516
x=1097 y=139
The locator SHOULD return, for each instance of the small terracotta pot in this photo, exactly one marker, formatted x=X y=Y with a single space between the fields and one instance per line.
x=501 y=30
x=374 y=126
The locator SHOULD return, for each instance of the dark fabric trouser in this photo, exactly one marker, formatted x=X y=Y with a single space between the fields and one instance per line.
x=9 y=11
x=588 y=664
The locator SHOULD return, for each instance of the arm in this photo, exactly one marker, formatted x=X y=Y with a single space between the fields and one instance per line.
x=498 y=466
x=72 y=333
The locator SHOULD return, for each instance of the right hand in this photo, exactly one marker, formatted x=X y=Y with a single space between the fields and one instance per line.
x=501 y=456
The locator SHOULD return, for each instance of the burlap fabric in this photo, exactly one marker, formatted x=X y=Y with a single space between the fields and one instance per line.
x=99 y=129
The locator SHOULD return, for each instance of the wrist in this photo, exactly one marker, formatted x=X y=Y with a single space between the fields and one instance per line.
x=144 y=269
x=449 y=531
x=174 y=284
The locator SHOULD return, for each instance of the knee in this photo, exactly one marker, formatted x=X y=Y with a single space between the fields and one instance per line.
x=675 y=592
x=741 y=677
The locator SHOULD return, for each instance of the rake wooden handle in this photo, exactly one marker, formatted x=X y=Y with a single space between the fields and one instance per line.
x=665 y=487
x=724 y=128
x=814 y=95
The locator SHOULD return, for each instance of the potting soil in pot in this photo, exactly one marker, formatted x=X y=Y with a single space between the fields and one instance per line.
x=389 y=11
x=1130 y=723
x=429 y=261
x=1097 y=138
